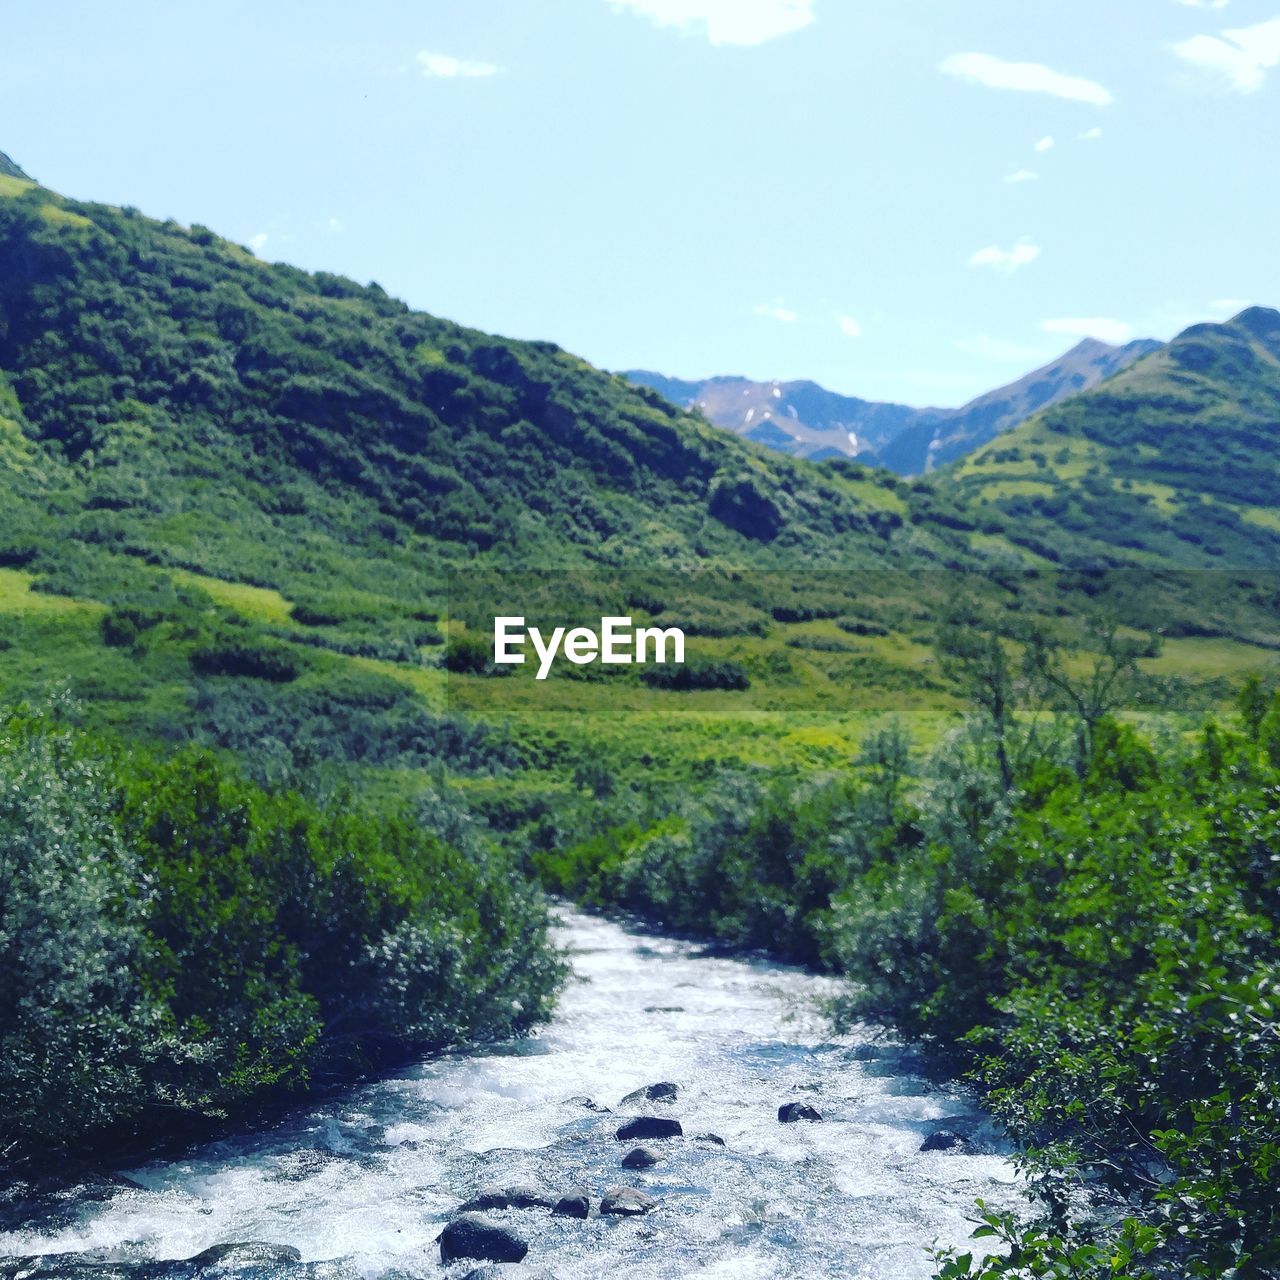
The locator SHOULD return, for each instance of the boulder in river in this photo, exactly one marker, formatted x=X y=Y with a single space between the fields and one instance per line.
x=589 y=1104
x=790 y=1112
x=627 y=1202
x=713 y=1138
x=245 y=1253
x=508 y=1198
x=575 y=1203
x=866 y=1053
x=472 y=1235
x=516 y=1270
x=643 y=1127
x=944 y=1140
x=663 y=1091
x=640 y=1158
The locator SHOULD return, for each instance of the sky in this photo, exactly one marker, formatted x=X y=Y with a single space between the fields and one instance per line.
x=909 y=200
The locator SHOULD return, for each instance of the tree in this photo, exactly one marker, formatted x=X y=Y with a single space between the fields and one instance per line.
x=1106 y=684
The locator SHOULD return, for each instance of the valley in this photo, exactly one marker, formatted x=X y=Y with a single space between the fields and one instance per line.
x=279 y=822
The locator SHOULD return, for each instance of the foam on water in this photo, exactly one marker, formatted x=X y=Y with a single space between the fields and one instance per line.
x=368 y=1181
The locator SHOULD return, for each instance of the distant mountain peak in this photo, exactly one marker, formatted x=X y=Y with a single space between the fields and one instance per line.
x=1262 y=322
x=10 y=170
x=805 y=419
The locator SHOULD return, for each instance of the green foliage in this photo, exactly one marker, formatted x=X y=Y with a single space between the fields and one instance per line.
x=152 y=372
x=1101 y=951
x=1169 y=461
x=471 y=654
x=258 y=662
x=174 y=940
x=696 y=674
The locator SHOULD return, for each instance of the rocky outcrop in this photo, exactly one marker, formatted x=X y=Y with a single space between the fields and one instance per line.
x=663 y=1091
x=640 y=1158
x=247 y=1253
x=508 y=1198
x=472 y=1235
x=791 y=1112
x=627 y=1202
x=642 y=1128
x=588 y=1104
x=509 y=1271
x=944 y=1140
x=575 y=1203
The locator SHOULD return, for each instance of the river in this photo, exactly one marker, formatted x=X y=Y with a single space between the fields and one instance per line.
x=362 y=1185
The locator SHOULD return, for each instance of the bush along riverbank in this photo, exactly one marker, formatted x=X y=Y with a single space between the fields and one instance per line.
x=177 y=944
x=1079 y=916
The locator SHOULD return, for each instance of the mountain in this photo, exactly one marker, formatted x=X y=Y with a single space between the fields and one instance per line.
x=806 y=420
x=800 y=418
x=1174 y=460
x=923 y=446
x=168 y=400
x=10 y=170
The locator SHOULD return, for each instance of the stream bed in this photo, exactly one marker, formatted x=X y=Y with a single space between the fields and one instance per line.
x=363 y=1184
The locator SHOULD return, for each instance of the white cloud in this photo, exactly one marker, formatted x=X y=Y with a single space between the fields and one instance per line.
x=1089 y=135
x=1026 y=77
x=1100 y=327
x=1244 y=55
x=776 y=311
x=1006 y=260
x=849 y=326
x=336 y=225
x=445 y=67
x=259 y=242
x=740 y=22
x=1021 y=175
x=1205 y=4
x=1045 y=144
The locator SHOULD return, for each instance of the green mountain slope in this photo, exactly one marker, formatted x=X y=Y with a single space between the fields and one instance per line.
x=925 y=447
x=1176 y=460
x=230 y=493
x=808 y=421
x=167 y=397
x=10 y=170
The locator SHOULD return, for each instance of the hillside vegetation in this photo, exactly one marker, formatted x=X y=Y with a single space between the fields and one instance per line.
x=1172 y=461
x=270 y=815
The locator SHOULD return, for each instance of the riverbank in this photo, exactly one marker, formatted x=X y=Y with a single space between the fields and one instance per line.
x=364 y=1184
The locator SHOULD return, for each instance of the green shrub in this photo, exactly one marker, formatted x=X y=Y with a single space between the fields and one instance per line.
x=176 y=942
x=255 y=661
x=696 y=674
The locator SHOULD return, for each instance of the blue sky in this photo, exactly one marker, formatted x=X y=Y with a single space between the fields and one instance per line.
x=902 y=199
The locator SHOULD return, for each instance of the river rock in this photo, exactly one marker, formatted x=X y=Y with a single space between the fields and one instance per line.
x=866 y=1053
x=663 y=1091
x=944 y=1140
x=575 y=1203
x=516 y=1270
x=590 y=1104
x=713 y=1138
x=640 y=1158
x=247 y=1253
x=790 y=1112
x=642 y=1127
x=627 y=1202
x=63 y=1266
x=508 y=1198
x=664 y=1008
x=472 y=1235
